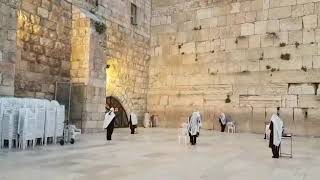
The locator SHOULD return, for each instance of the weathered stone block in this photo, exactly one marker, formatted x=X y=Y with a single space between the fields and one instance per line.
x=295 y=36
x=288 y=2
x=310 y=21
x=273 y=26
x=260 y=27
x=302 y=89
x=308 y=9
x=308 y=101
x=43 y=12
x=204 y=13
x=290 y=24
x=297 y=10
x=247 y=29
x=279 y=13
x=254 y=41
x=289 y=101
x=308 y=36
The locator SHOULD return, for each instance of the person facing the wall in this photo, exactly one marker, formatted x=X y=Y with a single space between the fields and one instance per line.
x=133 y=122
x=276 y=129
x=108 y=123
x=222 y=121
x=194 y=125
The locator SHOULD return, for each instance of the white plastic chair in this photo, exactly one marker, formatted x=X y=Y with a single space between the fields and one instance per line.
x=267 y=131
x=231 y=127
x=183 y=133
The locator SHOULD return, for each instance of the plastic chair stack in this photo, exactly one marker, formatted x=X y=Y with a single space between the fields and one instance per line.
x=27 y=127
x=59 y=126
x=183 y=133
x=50 y=123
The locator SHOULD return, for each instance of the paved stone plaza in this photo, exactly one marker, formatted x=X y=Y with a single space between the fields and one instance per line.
x=155 y=154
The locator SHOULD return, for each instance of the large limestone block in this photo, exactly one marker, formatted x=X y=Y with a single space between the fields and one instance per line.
x=188 y=48
x=235 y=7
x=279 y=13
x=260 y=27
x=185 y=100
x=247 y=29
x=290 y=24
x=308 y=101
x=308 y=9
x=295 y=36
x=297 y=10
x=273 y=26
x=302 y=89
x=251 y=16
x=242 y=118
x=308 y=36
x=289 y=101
x=258 y=120
x=254 y=41
x=288 y=2
x=260 y=101
x=310 y=21
x=204 y=13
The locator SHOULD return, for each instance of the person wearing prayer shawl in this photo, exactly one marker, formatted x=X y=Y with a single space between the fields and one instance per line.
x=108 y=123
x=276 y=129
x=133 y=122
x=194 y=125
x=223 y=121
x=146 y=122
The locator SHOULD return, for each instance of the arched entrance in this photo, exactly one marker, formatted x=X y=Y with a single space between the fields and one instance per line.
x=121 y=115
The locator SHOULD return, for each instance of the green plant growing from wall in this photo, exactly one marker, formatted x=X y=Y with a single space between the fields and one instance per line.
x=228 y=100
x=285 y=56
x=282 y=44
x=100 y=27
x=297 y=44
x=304 y=68
x=261 y=57
x=272 y=35
x=268 y=67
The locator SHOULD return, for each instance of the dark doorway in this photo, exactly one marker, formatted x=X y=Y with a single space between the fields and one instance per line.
x=121 y=115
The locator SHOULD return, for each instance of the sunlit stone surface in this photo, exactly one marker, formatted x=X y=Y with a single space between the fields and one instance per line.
x=155 y=154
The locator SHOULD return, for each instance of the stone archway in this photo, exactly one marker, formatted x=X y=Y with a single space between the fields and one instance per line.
x=121 y=114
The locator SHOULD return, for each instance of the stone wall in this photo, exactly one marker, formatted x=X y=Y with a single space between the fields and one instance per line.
x=8 y=49
x=44 y=38
x=128 y=53
x=88 y=67
x=244 y=57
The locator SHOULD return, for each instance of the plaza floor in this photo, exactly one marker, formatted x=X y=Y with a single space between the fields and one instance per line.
x=154 y=154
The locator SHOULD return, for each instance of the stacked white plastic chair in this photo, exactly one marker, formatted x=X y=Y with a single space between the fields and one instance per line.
x=27 y=127
x=59 y=121
x=10 y=115
x=50 y=124
x=1 y=122
x=40 y=111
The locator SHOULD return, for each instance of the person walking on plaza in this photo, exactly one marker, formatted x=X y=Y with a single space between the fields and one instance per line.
x=194 y=125
x=108 y=123
x=133 y=122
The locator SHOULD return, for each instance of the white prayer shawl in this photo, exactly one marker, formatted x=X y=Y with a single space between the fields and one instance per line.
x=134 y=119
x=277 y=129
x=108 y=118
x=146 y=121
x=223 y=118
x=194 y=124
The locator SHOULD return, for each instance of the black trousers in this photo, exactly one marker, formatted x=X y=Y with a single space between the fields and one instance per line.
x=275 y=151
x=132 y=128
x=110 y=131
x=223 y=127
x=193 y=139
